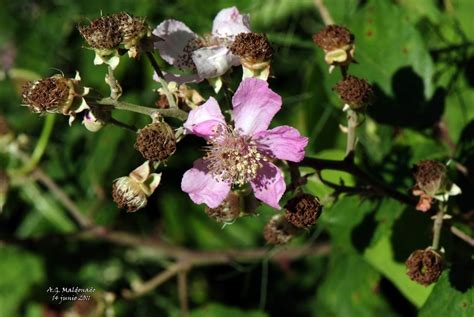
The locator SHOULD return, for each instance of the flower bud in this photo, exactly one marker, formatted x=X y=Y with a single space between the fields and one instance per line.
x=303 y=210
x=131 y=192
x=255 y=54
x=424 y=266
x=338 y=44
x=156 y=142
x=355 y=92
x=278 y=230
x=226 y=212
x=430 y=176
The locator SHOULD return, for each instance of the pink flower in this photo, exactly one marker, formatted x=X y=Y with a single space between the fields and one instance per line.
x=242 y=153
x=209 y=56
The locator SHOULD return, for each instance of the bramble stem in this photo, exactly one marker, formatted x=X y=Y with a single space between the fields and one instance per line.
x=437 y=226
x=161 y=79
x=120 y=105
x=351 y=131
x=115 y=88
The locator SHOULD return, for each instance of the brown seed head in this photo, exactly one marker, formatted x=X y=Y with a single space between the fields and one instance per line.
x=333 y=37
x=430 y=176
x=228 y=211
x=278 y=230
x=47 y=95
x=156 y=142
x=103 y=33
x=131 y=28
x=303 y=210
x=4 y=181
x=254 y=47
x=355 y=92
x=424 y=266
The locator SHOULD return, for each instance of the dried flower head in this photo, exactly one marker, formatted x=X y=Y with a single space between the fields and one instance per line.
x=226 y=212
x=51 y=94
x=424 y=266
x=303 y=210
x=106 y=34
x=355 y=92
x=156 y=142
x=333 y=37
x=56 y=94
x=337 y=43
x=252 y=47
x=430 y=176
x=131 y=192
x=278 y=230
x=255 y=54
x=102 y=33
x=132 y=29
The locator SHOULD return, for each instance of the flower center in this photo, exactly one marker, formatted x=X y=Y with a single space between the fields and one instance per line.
x=233 y=157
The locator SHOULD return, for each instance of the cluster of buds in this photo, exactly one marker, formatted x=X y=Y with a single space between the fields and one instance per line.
x=59 y=94
x=432 y=183
x=131 y=192
x=108 y=34
x=255 y=54
x=424 y=266
x=338 y=45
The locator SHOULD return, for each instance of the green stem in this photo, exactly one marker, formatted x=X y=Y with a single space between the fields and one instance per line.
x=437 y=226
x=120 y=105
x=40 y=148
x=161 y=79
x=351 y=131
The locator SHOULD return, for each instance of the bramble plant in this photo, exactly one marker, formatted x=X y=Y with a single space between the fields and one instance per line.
x=215 y=101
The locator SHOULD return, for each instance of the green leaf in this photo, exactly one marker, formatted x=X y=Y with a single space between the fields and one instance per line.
x=47 y=207
x=385 y=42
x=218 y=310
x=21 y=270
x=447 y=301
x=350 y=289
x=381 y=256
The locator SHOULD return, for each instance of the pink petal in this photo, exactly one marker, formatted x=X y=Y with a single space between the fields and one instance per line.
x=269 y=185
x=175 y=35
x=229 y=22
x=202 y=187
x=214 y=61
x=284 y=143
x=254 y=106
x=204 y=120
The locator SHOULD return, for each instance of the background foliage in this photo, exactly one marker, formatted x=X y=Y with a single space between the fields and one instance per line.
x=418 y=54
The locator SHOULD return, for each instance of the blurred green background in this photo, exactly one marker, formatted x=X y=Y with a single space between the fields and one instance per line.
x=419 y=55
